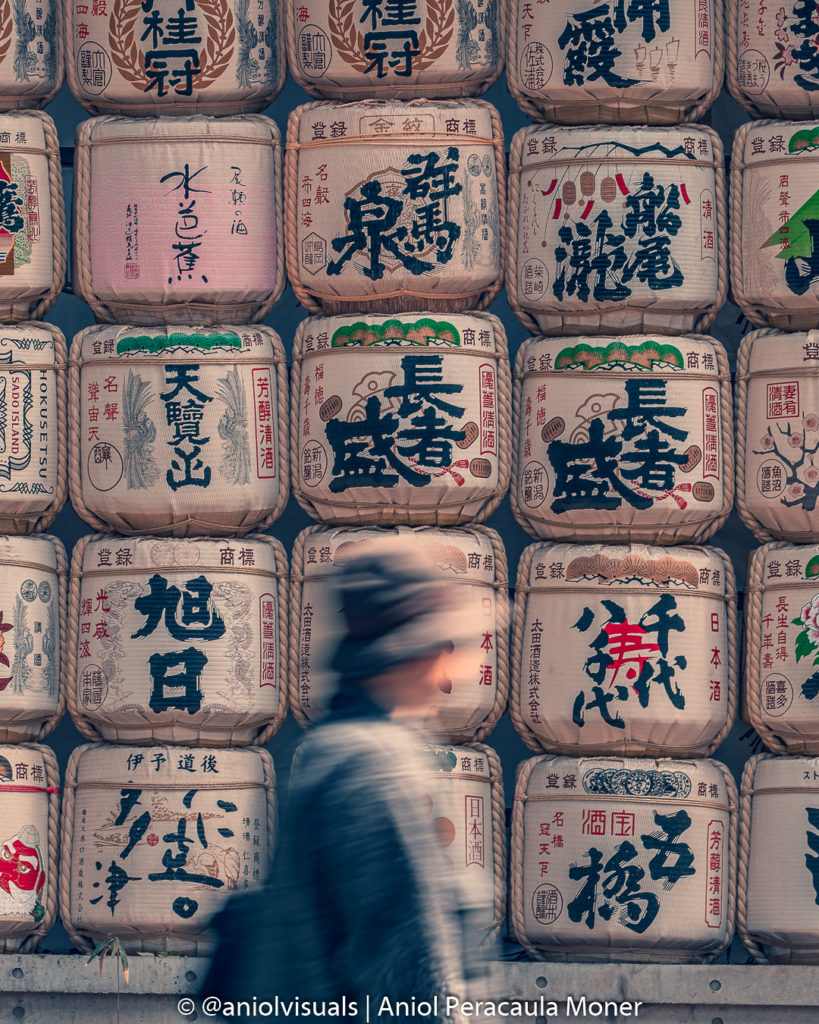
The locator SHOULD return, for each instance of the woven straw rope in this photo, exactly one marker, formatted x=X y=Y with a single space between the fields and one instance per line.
x=752 y=675
x=29 y=944
x=298 y=579
x=517 y=927
x=449 y=512
x=294 y=647
x=441 y=90
x=193 y=311
x=744 y=858
x=692 y=531
x=24 y=523
x=189 y=524
x=498 y=835
x=34 y=307
x=248 y=105
x=629 y=748
x=701 y=320
x=85 y=723
x=82 y=724
x=186 y=945
x=611 y=113
x=403 y=300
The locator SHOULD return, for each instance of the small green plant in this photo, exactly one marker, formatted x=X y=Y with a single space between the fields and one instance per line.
x=111 y=945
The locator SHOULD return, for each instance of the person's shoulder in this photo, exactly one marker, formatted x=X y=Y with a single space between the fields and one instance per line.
x=381 y=749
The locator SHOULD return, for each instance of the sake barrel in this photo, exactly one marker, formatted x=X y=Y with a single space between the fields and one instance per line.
x=622 y=439
x=33 y=427
x=32 y=217
x=178 y=641
x=195 y=237
x=142 y=57
x=782 y=647
x=31 y=57
x=466 y=804
x=402 y=419
x=29 y=837
x=773 y=263
x=647 y=252
x=180 y=431
x=778 y=871
x=472 y=557
x=771 y=62
x=134 y=818
x=624 y=649
x=33 y=636
x=579 y=63
x=356 y=49
x=395 y=206
x=629 y=860
x=777 y=397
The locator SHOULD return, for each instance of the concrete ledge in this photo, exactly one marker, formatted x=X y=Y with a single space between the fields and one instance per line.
x=53 y=989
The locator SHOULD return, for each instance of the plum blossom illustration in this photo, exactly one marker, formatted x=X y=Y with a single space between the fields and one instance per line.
x=796 y=446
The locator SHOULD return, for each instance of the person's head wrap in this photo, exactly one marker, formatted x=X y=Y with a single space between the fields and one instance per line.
x=396 y=608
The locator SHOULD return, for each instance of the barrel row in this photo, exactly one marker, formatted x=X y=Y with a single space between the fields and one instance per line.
x=394 y=207
x=609 y=859
x=211 y=641
x=571 y=62
x=408 y=420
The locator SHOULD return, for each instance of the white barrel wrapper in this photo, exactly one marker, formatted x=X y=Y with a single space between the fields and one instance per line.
x=624 y=649
x=164 y=835
x=178 y=641
x=774 y=233
x=33 y=636
x=616 y=230
x=196 y=236
x=778 y=865
x=472 y=557
x=777 y=399
x=33 y=427
x=354 y=49
x=180 y=431
x=32 y=225
x=622 y=439
x=29 y=812
x=771 y=61
x=466 y=804
x=401 y=420
x=623 y=859
x=139 y=57
x=578 y=62
x=782 y=646
x=31 y=52
x=395 y=206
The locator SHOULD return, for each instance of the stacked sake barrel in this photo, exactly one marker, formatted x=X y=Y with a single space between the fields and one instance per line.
x=178 y=640
x=179 y=434
x=401 y=387
x=772 y=274
x=776 y=394
x=33 y=465
x=623 y=463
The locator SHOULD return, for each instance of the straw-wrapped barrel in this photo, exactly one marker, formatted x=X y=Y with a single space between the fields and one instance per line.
x=178 y=641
